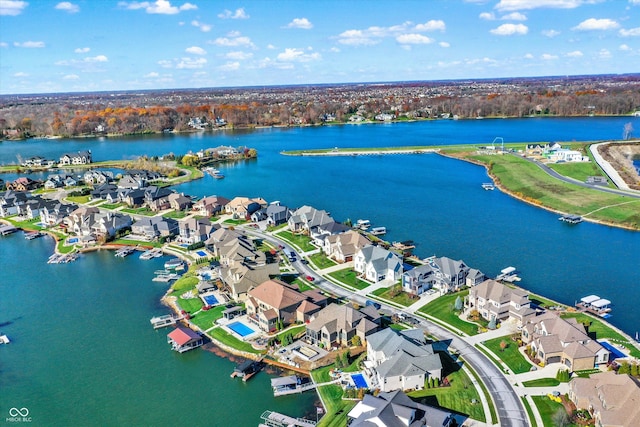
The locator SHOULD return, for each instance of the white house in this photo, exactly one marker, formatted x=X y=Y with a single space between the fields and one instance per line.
x=375 y=264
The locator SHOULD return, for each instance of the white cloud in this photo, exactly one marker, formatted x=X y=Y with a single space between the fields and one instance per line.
x=233 y=41
x=238 y=55
x=20 y=74
x=12 y=7
x=548 y=57
x=413 y=39
x=604 y=54
x=334 y=49
x=509 y=5
x=4 y=44
x=631 y=32
x=71 y=77
x=270 y=46
x=151 y=75
x=487 y=16
x=433 y=25
x=635 y=2
x=550 y=33
x=230 y=66
x=82 y=50
x=510 y=29
x=444 y=44
x=196 y=50
x=29 y=44
x=624 y=47
x=238 y=14
x=203 y=27
x=160 y=7
x=374 y=35
x=528 y=56
x=302 y=23
x=68 y=7
x=575 y=54
x=514 y=16
x=183 y=63
x=592 y=24
x=356 y=38
x=99 y=58
x=297 y=55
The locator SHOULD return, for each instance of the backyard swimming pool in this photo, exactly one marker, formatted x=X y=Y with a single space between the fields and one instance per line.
x=72 y=240
x=241 y=329
x=615 y=353
x=201 y=253
x=359 y=381
x=211 y=299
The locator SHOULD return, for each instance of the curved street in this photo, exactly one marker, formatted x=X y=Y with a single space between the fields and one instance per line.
x=509 y=407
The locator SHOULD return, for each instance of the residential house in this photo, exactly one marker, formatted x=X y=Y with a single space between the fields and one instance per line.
x=396 y=409
x=210 y=206
x=60 y=180
x=612 y=400
x=402 y=360
x=10 y=202
x=79 y=158
x=194 y=230
x=97 y=177
x=498 y=302
x=374 y=264
x=566 y=341
x=23 y=184
x=179 y=202
x=306 y=219
x=54 y=213
x=107 y=225
x=271 y=302
x=154 y=227
x=277 y=214
x=132 y=181
x=132 y=197
x=156 y=198
x=38 y=162
x=80 y=221
x=101 y=191
x=31 y=209
x=343 y=247
x=475 y=277
x=419 y=279
x=243 y=207
x=451 y=275
x=220 y=237
x=184 y=339
x=336 y=325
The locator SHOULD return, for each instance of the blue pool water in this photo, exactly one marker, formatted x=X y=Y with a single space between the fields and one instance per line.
x=615 y=353
x=240 y=329
x=211 y=299
x=201 y=253
x=72 y=240
x=359 y=381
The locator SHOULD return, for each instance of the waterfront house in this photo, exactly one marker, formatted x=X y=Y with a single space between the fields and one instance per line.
x=79 y=222
x=343 y=247
x=106 y=225
x=79 y=158
x=243 y=207
x=336 y=325
x=194 y=230
x=451 y=275
x=474 y=277
x=271 y=302
x=221 y=237
x=131 y=181
x=498 y=302
x=316 y=223
x=31 y=209
x=179 y=202
x=374 y=264
x=277 y=214
x=23 y=184
x=132 y=197
x=154 y=227
x=557 y=340
x=101 y=191
x=97 y=177
x=402 y=360
x=419 y=279
x=153 y=193
x=184 y=339
x=10 y=202
x=398 y=410
x=322 y=232
x=55 y=212
x=210 y=206
x=38 y=162
x=611 y=399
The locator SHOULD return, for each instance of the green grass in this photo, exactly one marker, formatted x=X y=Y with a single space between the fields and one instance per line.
x=184 y=284
x=532 y=418
x=205 y=319
x=175 y=214
x=401 y=298
x=321 y=261
x=293 y=331
x=442 y=308
x=112 y=206
x=139 y=211
x=348 y=277
x=547 y=409
x=79 y=199
x=542 y=382
x=580 y=171
x=303 y=285
x=226 y=338
x=458 y=397
x=586 y=373
x=510 y=356
x=301 y=241
x=190 y=305
x=235 y=221
x=602 y=330
x=336 y=408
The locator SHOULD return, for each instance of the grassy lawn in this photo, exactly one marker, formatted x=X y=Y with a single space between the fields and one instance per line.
x=336 y=408
x=184 y=284
x=112 y=206
x=401 y=298
x=457 y=397
x=511 y=356
x=547 y=409
x=303 y=285
x=128 y=242
x=532 y=419
x=321 y=261
x=487 y=395
x=235 y=221
x=528 y=181
x=542 y=382
x=442 y=308
x=79 y=199
x=348 y=277
x=175 y=214
x=301 y=241
x=139 y=211
x=190 y=305
x=294 y=331
x=603 y=331
x=579 y=171
x=226 y=338
x=542 y=301
x=205 y=319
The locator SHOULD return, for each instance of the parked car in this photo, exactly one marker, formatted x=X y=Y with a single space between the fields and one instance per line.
x=311 y=278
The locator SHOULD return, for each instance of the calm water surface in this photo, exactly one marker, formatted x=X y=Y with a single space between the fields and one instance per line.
x=95 y=312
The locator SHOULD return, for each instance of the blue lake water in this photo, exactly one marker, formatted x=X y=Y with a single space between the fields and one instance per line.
x=95 y=312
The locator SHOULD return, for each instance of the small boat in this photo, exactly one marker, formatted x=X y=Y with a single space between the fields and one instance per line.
x=174 y=264
x=165 y=278
x=4 y=339
x=571 y=219
x=376 y=231
x=488 y=186
x=33 y=235
x=151 y=253
x=218 y=176
x=363 y=224
x=123 y=252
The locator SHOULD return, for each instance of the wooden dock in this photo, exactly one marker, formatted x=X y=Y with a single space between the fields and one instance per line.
x=7 y=229
x=275 y=419
x=164 y=321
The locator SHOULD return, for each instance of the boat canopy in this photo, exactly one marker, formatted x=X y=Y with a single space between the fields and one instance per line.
x=601 y=303
x=589 y=299
x=284 y=381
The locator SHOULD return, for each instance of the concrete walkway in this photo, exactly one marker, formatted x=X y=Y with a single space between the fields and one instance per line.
x=607 y=168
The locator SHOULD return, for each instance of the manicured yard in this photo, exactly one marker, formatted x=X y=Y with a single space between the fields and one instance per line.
x=511 y=356
x=190 y=305
x=442 y=308
x=547 y=409
x=602 y=330
x=336 y=408
x=457 y=397
x=542 y=382
x=78 y=199
x=401 y=298
x=303 y=285
x=301 y=241
x=226 y=338
x=348 y=277
x=321 y=261
x=112 y=205
x=139 y=211
x=175 y=214
x=185 y=283
x=579 y=171
x=235 y=221
x=204 y=319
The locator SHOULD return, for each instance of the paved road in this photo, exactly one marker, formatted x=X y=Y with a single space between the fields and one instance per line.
x=511 y=412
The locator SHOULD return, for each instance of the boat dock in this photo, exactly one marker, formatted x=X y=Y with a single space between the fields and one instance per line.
x=7 y=229
x=165 y=278
x=488 y=186
x=62 y=258
x=509 y=274
x=124 y=251
x=292 y=384
x=595 y=305
x=151 y=253
x=33 y=235
x=571 y=219
x=164 y=321
x=4 y=339
x=247 y=369
x=377 y=231
x=275 y=419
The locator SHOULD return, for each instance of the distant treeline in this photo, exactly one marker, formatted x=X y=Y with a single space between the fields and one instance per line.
x=152 y=112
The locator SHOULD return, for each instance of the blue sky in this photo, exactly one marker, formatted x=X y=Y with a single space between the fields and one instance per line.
x=102 y=45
